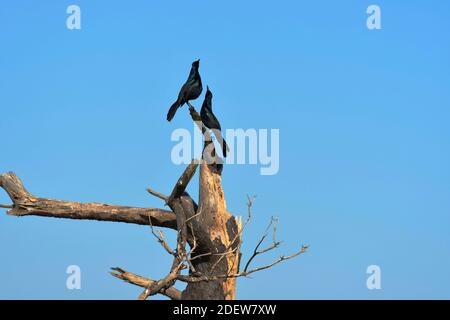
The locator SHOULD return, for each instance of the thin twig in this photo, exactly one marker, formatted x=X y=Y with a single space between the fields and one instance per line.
x=161 y=239
x=199 y=278
x=250 y=201
x=213 y=254
x=189 y=254
x=189 y=219
x=274 y=245
x=158 y=194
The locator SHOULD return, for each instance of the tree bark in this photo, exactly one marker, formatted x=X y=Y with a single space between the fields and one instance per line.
x=26 y=204
x=215 y=229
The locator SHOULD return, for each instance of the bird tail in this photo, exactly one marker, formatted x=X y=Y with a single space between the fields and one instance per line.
x=225 y=148
x=173 y=109
x=223 y=143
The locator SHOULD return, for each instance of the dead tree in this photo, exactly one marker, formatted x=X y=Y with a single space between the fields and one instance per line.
x=207 y=254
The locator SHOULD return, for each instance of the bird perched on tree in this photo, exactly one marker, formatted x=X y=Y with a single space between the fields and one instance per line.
x=210 y=121
x=191 y=90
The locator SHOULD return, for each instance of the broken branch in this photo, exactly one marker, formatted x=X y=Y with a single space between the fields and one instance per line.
x=134 y=279
x=26 y=204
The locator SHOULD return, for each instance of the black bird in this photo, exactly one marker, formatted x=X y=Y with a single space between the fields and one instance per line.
x=191 y=90
x=210 y=121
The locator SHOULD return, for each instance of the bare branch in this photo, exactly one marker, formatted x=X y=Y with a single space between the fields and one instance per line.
x=163 y=284
x=200 y=278
x=196 y=118
x=158 y=194
x=183 y=181
x=250 y=202
x=134 y=279
x=214 y=254
x=280 y=259
x=274 y=245
x=197 y=277
x=188 y=257
x=26 y=204
x=238 y=237
x=161 y=239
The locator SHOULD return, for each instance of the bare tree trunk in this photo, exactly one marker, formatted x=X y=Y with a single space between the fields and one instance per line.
x=218 y=228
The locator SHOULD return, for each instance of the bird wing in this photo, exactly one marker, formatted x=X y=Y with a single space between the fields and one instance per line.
x=211 y=121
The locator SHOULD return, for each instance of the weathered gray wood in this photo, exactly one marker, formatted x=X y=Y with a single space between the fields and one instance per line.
x=215 y=229
x=26 y=204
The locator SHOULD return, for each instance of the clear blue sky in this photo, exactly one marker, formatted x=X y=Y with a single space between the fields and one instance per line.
x=363 y=116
